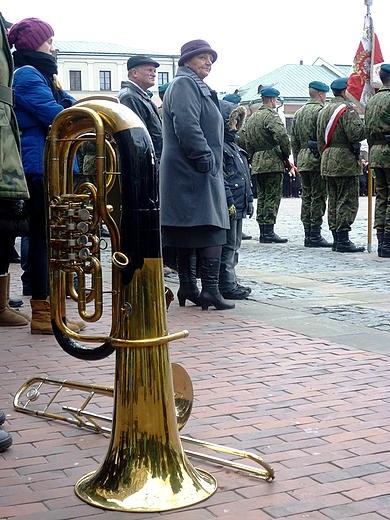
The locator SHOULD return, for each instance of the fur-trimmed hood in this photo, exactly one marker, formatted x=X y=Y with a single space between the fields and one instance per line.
x=231 y=113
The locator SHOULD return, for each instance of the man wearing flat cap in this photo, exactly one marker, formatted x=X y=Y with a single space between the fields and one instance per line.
x=377 y=123
x=339 y=132
x=307 y=159
x=267 y=145
x=141 y=73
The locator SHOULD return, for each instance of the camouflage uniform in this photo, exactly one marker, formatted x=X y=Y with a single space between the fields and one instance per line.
x=377 y=122
x=304 y=128
x=340 y=167
x=86 y=156
x=267 y=143
x=12 y=180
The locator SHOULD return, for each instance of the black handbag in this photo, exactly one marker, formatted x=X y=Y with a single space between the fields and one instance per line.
x=14 y=219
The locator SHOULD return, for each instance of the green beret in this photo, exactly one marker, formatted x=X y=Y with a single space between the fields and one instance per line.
x=233 y=98
x=386 y=67
x=339 y=84
x=269 y=92
x=318 y=85
x=162 y=88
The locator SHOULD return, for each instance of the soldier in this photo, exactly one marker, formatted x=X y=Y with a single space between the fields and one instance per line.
x=161 y=93
x=268 y=145
x=13 y=188
x=377 y=123
x=307 y=159
x=339 y=132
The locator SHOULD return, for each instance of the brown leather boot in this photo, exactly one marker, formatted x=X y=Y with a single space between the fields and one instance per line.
x=41 y=318
x=9 y=317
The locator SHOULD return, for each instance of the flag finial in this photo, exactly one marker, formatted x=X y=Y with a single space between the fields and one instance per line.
x=368 y=3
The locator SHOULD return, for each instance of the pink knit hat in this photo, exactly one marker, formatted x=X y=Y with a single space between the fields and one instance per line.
x=29 y=34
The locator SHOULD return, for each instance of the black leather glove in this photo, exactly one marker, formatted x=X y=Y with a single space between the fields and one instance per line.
x=250 y=209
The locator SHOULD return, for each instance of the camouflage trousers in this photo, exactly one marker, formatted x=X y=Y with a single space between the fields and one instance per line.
x=269 y=194
x=382 y=201
x=343 y=202
x=313 y=199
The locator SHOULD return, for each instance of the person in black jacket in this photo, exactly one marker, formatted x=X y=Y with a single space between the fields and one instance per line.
x=239 y=200
x=133 y=94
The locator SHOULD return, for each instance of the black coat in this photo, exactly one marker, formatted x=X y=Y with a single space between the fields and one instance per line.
x=237 y=178
x=140 y=103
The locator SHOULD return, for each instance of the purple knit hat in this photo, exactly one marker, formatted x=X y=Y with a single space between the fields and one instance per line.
x=193 y=48
x=29 y=34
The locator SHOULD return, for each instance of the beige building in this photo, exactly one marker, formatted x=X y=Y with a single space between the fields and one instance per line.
x=88 y=68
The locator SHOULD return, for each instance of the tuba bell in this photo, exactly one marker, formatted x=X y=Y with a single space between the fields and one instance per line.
x=145 y=467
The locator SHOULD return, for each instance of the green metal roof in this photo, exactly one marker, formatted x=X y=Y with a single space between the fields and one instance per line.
x=293 y=80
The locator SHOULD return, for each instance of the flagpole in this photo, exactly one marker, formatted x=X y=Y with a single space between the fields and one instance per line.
x=368 y=3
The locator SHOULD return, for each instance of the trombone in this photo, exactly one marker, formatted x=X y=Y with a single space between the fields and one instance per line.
x=36 y=387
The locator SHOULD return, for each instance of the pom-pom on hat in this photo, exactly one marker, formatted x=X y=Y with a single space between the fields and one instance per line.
x=319 y=85
x=29 y=34
x=193 y=48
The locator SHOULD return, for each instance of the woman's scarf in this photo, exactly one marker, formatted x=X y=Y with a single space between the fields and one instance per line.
x=45 y=63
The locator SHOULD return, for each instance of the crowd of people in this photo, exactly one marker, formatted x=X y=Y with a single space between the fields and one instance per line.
x=207 y=152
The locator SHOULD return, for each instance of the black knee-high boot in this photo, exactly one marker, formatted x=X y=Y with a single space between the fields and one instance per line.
x=188 y=289
x=210 y=295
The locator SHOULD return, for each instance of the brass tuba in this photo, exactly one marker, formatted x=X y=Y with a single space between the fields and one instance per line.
x=146 y=467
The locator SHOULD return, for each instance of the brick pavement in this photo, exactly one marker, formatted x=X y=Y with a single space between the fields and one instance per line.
x=317 y=411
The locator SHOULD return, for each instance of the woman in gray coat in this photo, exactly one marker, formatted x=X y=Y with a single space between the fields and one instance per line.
x=194 y=212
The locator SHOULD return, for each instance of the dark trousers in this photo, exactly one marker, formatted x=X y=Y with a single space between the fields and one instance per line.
x=37 y=262
x=229 y=256
x=6 y=250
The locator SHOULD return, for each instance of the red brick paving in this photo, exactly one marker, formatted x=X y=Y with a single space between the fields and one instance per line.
x=317 y=412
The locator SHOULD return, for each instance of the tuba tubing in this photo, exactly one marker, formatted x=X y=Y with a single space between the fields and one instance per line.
x=139 y=238
x=145 y=467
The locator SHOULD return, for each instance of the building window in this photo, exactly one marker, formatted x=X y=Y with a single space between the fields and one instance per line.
x=105 y=80
x=163 y=77
x=75 y=79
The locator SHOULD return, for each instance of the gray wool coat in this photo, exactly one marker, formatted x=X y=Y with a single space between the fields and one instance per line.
x=191 y=168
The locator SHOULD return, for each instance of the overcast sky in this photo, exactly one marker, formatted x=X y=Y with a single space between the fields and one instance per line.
x=251 y=37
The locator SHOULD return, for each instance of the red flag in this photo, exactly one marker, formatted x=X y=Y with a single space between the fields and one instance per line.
x=364 y=77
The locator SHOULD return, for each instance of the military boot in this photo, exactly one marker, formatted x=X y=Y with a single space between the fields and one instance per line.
x=306 y=241
x=344 y=245
x=317 y=240
x=334 y=235
x=379 y=236
x=270 y=237
x=261 y=238
x=386 y=246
